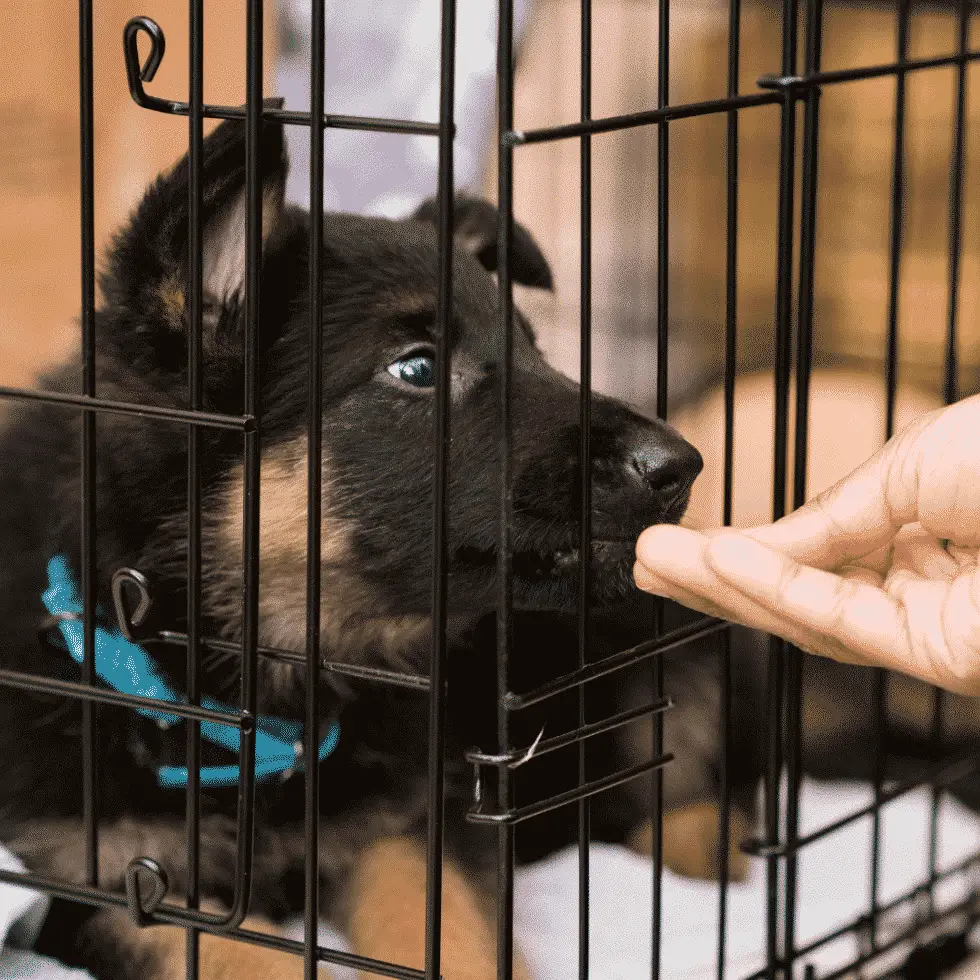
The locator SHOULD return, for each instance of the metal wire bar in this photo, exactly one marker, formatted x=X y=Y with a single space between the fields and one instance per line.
x=440 y=546
x=519 y=757
x=950 y=369
x=708 y=107
x=909 y=896
x=173 y=915
x=138 y=73
x=857 y=924
x=950 y=380
x=417 y=682
x=950 y=771
x=663 y=338
x=731 y=362
x=510 y=817
x=82 y=692
x=252 y=464
x=314 y=527
x=879 y=761
x=88 y=461
x=195 y=302
x=505 y=357
x=804 y=359
x=647 y=117
x=90 y=404
x=585 y=459
x=801 y=82
x=680 y=637
x=371 y=124
x=783 y=326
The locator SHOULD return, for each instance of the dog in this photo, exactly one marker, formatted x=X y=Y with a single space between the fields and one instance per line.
x=380 y=282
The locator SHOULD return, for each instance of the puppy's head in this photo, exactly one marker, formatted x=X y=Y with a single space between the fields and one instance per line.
x=380 y=287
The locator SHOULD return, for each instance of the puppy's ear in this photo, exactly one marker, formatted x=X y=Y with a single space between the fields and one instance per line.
x=476 y=231
x=146 y=279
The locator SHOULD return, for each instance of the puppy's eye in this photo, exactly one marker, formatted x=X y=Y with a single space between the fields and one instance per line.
x=417 y=370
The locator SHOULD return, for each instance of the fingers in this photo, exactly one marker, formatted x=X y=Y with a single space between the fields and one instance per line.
x=684 y=574
x=845 y=523
x=918 y=551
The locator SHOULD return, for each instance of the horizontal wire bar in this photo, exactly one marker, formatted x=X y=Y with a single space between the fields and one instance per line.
x=72 y=689
x=417 y=682
x=517 y=757
x=570 y=796
x=698 y=630
x=175 y=915
x=963 y=765
x=802 y=82
x=968 y=904
x=647 y=117
x=374 y=124
x=864 y=920
x=214 y=420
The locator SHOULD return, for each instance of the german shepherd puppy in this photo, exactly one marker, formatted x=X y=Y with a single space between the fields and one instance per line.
x=380 y=287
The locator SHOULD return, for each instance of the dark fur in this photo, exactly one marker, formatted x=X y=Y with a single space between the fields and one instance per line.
x=380 y=280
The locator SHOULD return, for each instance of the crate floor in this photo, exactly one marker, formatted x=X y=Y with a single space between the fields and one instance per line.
x=834 y=876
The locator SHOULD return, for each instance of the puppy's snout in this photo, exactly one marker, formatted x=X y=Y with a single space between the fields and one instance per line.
x=663 y=464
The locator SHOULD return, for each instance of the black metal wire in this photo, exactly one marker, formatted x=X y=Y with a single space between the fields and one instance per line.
x=804 y=359
x=505 y=355
x=88 y=503
x=314 y=527
x=194 y=306
x=585 y=457
x=663 y=312
x=879 y=760
x=440 y=553
x=776 y=673
x=731 y=364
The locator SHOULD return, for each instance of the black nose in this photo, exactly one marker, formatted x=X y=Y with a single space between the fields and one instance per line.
x=664 y=464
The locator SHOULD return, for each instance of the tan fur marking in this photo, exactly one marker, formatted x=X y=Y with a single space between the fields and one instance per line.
x=690 y=842
x=350 y=622
x=408 y=305
x=220 y=958
x=387 y=919
x=172 y=299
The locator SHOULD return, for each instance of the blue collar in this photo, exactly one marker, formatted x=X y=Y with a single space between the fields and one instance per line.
x=126 y=667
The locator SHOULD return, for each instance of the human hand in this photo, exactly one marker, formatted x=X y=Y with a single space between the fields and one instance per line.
x=860 y=573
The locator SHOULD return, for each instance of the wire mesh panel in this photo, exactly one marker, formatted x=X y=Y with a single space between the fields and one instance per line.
x=504 y=798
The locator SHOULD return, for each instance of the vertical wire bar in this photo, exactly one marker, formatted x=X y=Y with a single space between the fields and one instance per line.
x=784 y=287
x=879 y=761
x=195 y=289
x=314 y=527
x=804 y=359
x=935 y=739
x=89 y=583
x=731 y=353
x=950 y=380
x=252 y=461
x=950 y=372
x=440 y=555
x=585 y=456
x=505 y=237
x=663 y=271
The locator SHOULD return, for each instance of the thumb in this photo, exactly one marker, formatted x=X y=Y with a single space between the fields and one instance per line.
x=858 y=515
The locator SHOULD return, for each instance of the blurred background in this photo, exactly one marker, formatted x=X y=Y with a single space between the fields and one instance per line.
x=382 y=59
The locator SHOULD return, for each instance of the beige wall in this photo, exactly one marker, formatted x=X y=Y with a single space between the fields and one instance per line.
x=855 y=162
x=39 y=151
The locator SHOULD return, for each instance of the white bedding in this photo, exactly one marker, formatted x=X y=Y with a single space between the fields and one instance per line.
x=834 y=876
